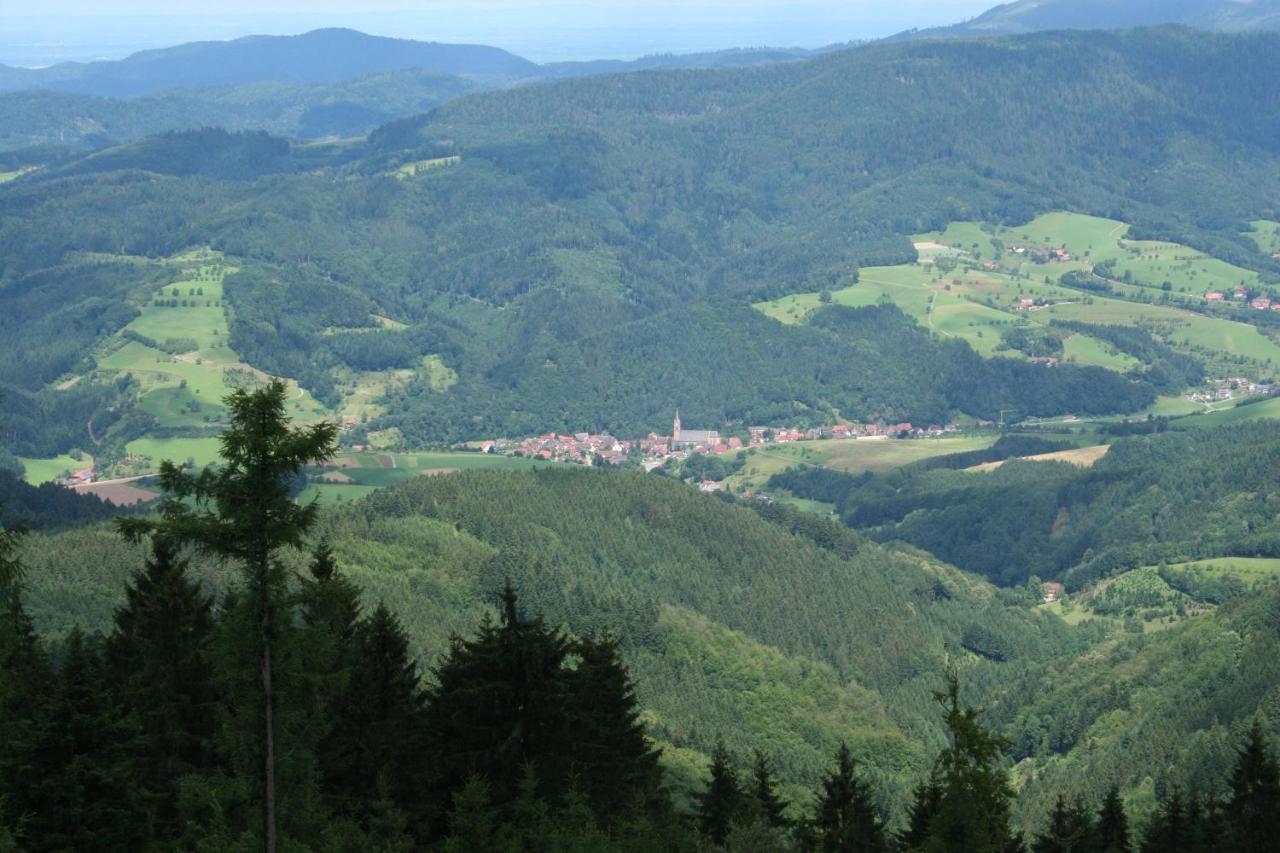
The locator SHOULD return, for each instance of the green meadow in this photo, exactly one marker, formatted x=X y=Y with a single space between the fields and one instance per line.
x=47 y=470
x=1266 y=233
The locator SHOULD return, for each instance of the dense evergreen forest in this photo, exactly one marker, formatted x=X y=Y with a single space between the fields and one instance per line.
x=729 y=628
x=587 y=261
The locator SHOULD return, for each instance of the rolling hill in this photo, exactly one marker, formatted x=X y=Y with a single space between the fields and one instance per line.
x=769 y=628
x=1027 y=16
x=585 y=254
x=320 y=56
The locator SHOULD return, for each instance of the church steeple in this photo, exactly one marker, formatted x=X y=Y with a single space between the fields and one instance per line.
x=675 y=428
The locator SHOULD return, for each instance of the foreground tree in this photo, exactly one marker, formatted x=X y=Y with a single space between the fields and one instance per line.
x=771 y=807
x=723 y=803
x=975 y=800
x=244 y=511
x=1070 y=829
x=846 y=819
x=1111 y=832
x=160 y=676
x=1253 y=808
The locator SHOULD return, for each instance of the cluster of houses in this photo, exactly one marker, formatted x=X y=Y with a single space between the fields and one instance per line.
x=586 y=448
x=77 y=478
x=1240 y=294
x=1043 y=254
x=1221 y=390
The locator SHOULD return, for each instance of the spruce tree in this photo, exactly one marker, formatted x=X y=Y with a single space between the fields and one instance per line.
x=1111 y=832
x=498 y=704
x=846 y=820
x=161 y=680
x=772 y=808
x=243 y=510
x=973 y=814
x=383 y=727
x=1253 y=806
x=25 y=679
x=723 y=803
x=1070 y=829
x=924 y=806
x=612 y=759
x=81 y=793
x=1170 y=830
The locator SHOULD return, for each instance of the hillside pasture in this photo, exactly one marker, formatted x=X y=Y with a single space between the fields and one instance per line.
x=39 y=471
x=1266 y=234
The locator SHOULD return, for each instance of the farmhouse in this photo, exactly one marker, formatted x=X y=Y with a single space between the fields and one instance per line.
x=1214 y=296
x=1262 y=303
x=1051 y=592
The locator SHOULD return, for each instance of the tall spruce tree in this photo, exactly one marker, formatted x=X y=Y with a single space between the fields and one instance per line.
x=612 y=759
x=1111 y=831
x=82 y=795
x=1253 y=806
x=973 y=814
x=384 y=722
x=924 y=806
x=1170 y=831
x=723 y=803
x=771 y=807
x=846 y=820
x=243 y=510
x=1070 y=829
x=160 y=676
x=25 y=680
x=498 y=704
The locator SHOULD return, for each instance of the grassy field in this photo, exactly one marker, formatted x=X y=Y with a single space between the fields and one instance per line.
x=1082 y=349
x=1251 y=570
x=1266 y=409
x=850 y=455
x=1266 y=234
x=1081 y=457
x=978 y=305
x=47 y=470
x=421 y=167
x=201 y=451
x=354 y=475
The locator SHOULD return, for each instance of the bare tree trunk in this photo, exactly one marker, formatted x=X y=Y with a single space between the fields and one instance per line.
x=268 y=727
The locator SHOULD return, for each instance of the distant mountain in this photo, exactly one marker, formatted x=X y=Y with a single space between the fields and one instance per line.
x=1027 y=16
x=324 y=83
x=321 y=56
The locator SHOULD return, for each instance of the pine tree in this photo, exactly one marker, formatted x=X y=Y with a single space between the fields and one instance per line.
x=1111 y=832
x=160 y=677
x=974 y=808
x=723 y=803
x=1253 y=807
x=244 y=511
x=846 y=820
x=772 y=808
x=1070 y=829
x=612 y=759
x=924 y=806
x=384 y=719
x=498 y=704
x=1170 y=831
x=81 y=793
x=25 y=679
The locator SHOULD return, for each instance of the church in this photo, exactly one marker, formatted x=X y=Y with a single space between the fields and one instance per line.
x=686 y=439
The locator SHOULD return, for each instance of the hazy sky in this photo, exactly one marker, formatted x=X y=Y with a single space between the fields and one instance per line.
x=38 y=33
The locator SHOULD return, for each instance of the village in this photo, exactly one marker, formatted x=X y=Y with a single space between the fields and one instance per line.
x=1240 y=294
x=655 y=450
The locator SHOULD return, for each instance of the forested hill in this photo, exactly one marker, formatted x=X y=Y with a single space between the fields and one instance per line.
x=770 y=629
x=1026 y=16
x=319 y=56
x=1162 y=499
x=545 y=241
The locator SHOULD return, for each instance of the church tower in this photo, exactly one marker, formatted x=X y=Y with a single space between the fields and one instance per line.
x=675 y=429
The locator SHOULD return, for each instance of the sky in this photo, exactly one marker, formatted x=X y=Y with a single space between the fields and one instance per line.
x=41 y=32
